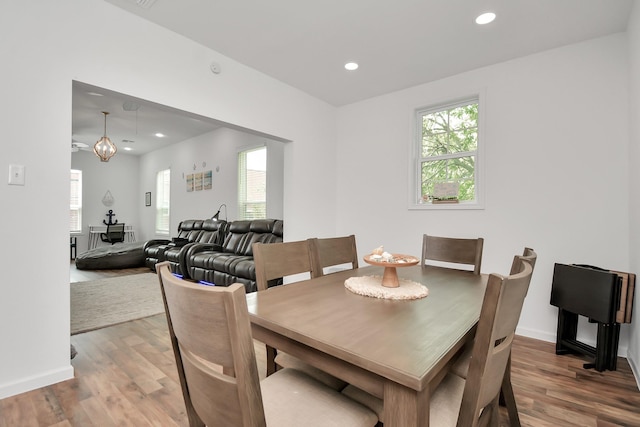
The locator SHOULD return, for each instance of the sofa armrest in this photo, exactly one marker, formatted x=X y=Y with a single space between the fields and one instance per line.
x=155 y=242
x=194 y=248
x=178 y=242
x=190 y=250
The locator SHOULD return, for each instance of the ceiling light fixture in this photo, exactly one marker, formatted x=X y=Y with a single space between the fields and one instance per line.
x=351 y=66
x=160 y=135
x=485 y=18
x=104 y=148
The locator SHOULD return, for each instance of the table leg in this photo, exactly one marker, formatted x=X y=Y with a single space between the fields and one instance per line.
x=404 y=407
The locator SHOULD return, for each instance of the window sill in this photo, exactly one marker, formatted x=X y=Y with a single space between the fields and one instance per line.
x=446 y=206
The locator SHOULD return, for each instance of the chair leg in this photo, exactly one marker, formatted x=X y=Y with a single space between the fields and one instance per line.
x=490 y=415
x=506 y=393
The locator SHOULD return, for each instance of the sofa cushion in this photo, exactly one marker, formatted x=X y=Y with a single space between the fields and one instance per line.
x=261 y=231
x=187 y=226
x=236 y=235
x=212 y=232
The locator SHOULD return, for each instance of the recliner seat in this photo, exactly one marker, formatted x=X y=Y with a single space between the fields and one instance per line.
x=212 y=233
x=154 y=249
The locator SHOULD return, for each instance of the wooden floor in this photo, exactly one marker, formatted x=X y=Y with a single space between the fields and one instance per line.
x=125 y=375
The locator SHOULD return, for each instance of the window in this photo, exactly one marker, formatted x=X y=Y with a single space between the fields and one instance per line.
x=252 y=183
x=163 y=189
x=75 y=204
x=447 y=155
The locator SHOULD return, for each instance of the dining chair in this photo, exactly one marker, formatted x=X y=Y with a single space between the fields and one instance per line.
x=461 y=365
x=473 y=401
x=453 y=250
x=274 y=262
x=332 y=252
x=211 y=338
x=114 y=233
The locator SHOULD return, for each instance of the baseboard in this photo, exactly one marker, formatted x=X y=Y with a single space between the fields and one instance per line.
x=31 y=383
x=634 y=368
x=536 y=334
x=545 y=336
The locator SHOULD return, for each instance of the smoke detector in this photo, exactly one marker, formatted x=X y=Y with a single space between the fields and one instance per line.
x=130 y=106
x=145 y=4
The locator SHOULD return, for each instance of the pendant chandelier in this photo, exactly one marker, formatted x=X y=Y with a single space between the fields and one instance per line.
x=104 y=148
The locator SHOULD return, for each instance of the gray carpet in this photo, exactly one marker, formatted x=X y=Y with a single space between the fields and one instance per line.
x=99 y=303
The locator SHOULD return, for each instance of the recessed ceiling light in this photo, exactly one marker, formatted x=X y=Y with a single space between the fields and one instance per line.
x=160 y=135
x=128 y=148
x=351 y=66
x=485 y=18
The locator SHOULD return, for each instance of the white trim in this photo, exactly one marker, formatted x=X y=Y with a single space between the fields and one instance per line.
x=415 y=155
x=35 y=382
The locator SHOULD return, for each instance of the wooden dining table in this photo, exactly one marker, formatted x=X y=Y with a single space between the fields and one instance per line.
x=397 y=350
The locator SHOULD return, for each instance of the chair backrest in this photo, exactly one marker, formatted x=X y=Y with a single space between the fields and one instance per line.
x=115 y=232
x=332 y=252
x=453 y=250
x=499 y=317
x=528 y=254
x=278 y=260
x=212 y=343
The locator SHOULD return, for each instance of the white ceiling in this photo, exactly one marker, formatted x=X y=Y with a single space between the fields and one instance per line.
x=131 y=122
x=398 y=44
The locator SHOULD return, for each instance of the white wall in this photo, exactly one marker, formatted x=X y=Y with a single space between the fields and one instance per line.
x=545 y=114
x=216 y=151
x=119 y=176
x=556 y=171
x=45 y=46
x=634 y=177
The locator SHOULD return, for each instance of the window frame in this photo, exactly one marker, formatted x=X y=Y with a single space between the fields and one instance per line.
x=79 y=205
x=160 y=199
x=416 y=159
x=242 y=179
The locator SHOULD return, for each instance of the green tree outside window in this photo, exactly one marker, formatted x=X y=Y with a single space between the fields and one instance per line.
x=449 y=149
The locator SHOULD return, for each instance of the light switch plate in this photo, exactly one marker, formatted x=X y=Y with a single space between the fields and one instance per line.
x=16 y=174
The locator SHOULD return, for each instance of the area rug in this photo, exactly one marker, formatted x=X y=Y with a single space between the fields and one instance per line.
x=100 y=303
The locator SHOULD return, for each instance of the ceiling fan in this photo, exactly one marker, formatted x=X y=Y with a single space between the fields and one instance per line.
x=77 y=146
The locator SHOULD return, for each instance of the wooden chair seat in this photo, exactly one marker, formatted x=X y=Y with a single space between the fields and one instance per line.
x=315 y=404
x=285 y=360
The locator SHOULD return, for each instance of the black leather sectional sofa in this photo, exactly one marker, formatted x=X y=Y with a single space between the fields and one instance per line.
x=215 y=252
